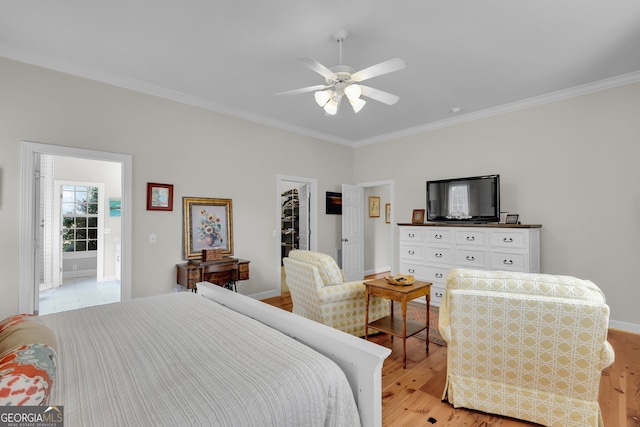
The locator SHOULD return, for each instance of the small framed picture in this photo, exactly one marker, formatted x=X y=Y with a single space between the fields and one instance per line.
x=512 y=219
x=387 y=213
x=159 y=197
x=418 y=216
x=374 y=207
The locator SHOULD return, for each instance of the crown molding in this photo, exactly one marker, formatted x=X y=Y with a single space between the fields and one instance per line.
x=573 y=92
x=176 y=96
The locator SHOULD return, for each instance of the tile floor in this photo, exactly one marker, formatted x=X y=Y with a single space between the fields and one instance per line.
x=78 y=292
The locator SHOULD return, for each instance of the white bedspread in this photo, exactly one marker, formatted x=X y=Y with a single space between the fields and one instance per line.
x=183 y=360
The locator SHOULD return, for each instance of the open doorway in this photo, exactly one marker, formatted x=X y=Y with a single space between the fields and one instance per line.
x=297 y=218
x=31 y=241
x=80 y=233
x=368 y=240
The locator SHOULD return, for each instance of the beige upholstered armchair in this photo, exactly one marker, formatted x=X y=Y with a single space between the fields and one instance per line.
x=319 y=293
x=528 y=346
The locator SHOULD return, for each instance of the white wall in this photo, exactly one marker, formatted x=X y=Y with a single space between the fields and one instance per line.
x=203 y=154
x=571 y=166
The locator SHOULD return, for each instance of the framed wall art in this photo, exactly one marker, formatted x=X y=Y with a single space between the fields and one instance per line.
x=207 y=224
x=159 y=197
x=387 y=213
x=374 y=207
x=333 y=203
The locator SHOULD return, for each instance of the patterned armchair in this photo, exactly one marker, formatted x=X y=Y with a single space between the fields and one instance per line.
x=527 y=346
x=319 y=293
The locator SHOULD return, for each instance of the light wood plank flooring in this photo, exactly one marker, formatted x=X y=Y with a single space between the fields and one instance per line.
x=412 y=396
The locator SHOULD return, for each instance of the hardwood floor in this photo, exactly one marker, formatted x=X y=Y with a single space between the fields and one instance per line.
x=412 y=396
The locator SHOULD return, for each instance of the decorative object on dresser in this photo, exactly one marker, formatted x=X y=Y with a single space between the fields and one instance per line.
x=429 y=250
x=511 y=219
x=159 y=197
x=418 y=216
x=402 y=294
x=207 y=224
x=224 y=272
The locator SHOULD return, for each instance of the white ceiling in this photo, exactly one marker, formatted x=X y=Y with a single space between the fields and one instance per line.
x=483 y=56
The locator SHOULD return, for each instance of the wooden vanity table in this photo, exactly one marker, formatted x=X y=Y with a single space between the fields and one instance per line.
x=224 y=272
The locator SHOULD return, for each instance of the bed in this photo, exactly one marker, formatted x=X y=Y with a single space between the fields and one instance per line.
x=211 y=358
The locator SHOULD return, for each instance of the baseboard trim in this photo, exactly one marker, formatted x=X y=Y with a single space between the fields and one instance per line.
x=377 y=270
x=624 y=326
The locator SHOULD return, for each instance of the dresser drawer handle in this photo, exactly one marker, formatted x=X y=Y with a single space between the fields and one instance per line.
x=411 y=270
x=470 y=258
x=508 y=262
x=438 y=255
x=471 y=238
x=438 y=236
x=507 y=240
x=411 y=252
x=439 y=275
x=412 y=235
x=438 y=294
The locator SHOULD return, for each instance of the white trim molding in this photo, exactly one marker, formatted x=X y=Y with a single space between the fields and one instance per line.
x=29 y=152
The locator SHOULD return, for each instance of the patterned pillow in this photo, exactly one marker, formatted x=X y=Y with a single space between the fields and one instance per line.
x=18 y=318
x=27 y=375
x=27 y=361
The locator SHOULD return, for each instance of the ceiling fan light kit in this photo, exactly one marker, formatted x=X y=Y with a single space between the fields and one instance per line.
x=342 y=80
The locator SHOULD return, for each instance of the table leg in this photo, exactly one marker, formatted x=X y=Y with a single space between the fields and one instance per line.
x=404 y=333
x=428 y=321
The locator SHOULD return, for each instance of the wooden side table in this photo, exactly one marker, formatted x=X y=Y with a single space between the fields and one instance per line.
x=390 y=325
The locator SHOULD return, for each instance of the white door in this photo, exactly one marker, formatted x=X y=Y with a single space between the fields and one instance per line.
x=352 y=232
x=303 y=221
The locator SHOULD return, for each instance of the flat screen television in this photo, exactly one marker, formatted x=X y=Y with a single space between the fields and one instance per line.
x=475 y=199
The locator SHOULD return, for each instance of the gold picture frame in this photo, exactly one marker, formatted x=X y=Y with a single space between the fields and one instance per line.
x=207 y=224
x=387 y=213
x=374 y=207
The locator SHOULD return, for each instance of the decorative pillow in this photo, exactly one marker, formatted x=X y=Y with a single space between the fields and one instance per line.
x=27 y=361
x=20 y=331
x=27 y=375
x=18 y=318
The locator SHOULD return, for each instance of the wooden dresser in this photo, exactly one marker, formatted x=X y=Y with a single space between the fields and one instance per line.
x=223 y=272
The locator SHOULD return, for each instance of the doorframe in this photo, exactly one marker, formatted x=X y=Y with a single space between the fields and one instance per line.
x=313 y=220
x=27 y=247
x=392 y=234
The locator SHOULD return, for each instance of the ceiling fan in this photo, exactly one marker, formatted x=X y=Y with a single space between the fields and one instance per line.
x=342 y=80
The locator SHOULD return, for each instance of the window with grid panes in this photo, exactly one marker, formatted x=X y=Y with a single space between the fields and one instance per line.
x=79 y=218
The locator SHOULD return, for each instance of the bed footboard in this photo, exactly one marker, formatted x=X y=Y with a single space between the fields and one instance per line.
x=360 y=360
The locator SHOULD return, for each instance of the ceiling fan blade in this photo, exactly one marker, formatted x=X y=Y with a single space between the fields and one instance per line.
x=385 y=67
x=304 y=90
x=379 y=95
x=319 y=68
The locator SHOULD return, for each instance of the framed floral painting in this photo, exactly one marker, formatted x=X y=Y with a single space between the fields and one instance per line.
x=207 y=224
